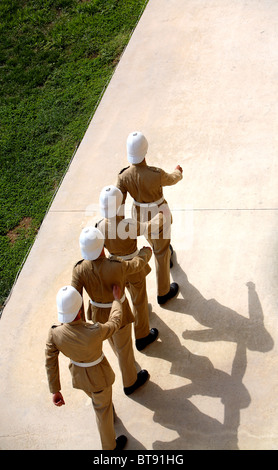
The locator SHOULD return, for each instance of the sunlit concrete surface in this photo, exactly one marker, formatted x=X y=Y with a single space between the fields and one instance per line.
x=199 y=79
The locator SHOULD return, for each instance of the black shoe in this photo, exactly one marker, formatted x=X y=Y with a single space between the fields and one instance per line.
x=174 y=288
x=142 y=378
x=143 y=342
x=120 y=442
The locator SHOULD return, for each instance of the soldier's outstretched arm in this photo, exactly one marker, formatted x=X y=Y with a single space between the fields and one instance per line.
x=137 y=263
x=115 y=317
x=153 y=227
x=168 y=179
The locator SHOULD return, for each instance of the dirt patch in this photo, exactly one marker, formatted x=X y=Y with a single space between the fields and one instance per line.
x=23 y=227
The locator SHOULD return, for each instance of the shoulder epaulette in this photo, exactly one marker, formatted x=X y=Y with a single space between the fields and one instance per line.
x=114 y=259
x=78 y=262
x=123 y=170
x=154 y=168
x=91 y=326
x=96 y=225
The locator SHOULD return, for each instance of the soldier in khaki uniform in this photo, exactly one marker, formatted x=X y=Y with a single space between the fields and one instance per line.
x=121 y=240
x=90 y=370
x=97 y=274
x=145 y=185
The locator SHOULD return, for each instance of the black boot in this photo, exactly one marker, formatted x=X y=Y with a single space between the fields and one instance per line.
x=120 y=442
x=174 y=288
x=143 y=342
x=142 y=378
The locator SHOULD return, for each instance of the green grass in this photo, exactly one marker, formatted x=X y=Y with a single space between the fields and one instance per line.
x=56 y=57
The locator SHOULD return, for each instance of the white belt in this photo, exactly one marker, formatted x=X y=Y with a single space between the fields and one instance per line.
x=88 y=364
x=100 y=305
x=127 y=257
x=148 y=204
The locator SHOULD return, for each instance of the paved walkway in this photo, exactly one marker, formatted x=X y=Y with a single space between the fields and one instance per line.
x=200 y=80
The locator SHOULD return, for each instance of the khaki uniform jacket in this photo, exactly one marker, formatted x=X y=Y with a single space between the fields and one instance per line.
x=118 y=246
x=145 y=183
x=98 y=278
x=82 y=342
x=121 y=234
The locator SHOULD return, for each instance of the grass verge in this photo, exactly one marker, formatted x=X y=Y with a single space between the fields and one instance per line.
x=56 y=57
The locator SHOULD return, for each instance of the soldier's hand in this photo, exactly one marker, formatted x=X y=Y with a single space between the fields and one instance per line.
x=58 y=399
x=117 y=292
x=178 y=167
x=147 y=248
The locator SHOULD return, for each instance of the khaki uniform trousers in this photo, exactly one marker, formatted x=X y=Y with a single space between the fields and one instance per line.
x=121 y=344
x=103 y=406
x=160 y=243
x=161 y=251
x=136 y=285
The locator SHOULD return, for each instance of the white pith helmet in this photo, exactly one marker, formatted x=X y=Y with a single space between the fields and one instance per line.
x=91 y=242
x=69 y=302
x=137 y=147
x=110 y=201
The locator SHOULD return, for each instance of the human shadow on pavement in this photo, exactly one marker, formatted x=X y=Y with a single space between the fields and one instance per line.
x=223 y=323
x=172 y=407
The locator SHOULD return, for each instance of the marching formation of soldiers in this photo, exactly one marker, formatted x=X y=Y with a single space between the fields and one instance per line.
x=104 y=275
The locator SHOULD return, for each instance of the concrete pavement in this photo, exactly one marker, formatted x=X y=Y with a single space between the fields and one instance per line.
x=199 y=79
